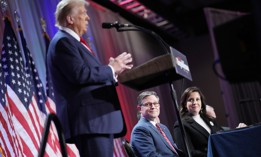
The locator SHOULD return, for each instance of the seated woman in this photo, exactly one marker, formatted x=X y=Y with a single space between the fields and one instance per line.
x=198 y=126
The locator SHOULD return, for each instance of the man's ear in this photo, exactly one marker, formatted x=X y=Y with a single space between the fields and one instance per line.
x=69 y=19
x=138 y=107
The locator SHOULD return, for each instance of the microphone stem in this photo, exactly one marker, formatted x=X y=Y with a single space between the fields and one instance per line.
x=165 y=46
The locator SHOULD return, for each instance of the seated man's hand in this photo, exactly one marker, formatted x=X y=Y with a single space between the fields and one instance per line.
x=241 y=125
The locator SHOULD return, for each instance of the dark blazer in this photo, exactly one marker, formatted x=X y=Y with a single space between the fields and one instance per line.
x=197 y=136
x=147 y=141
x=85 y=94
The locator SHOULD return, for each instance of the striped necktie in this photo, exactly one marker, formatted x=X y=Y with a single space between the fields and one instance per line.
x=87 y=46
x=165 y=137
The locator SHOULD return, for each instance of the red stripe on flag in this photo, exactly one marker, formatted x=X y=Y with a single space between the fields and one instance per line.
x=50 y=105
x=35 y=121
x=8 y=128
x=8 y=138
x=38 y=118
x=53 y=141
x=71 y=148
x=53 y=136
x=2 y=152
x=3 y=144
x=52 y=146
x=15 y=137
x=119 y=150
x=20 y=112
x=26 y=149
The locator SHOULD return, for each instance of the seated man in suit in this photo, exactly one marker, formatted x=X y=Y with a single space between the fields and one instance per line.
x=148 y=137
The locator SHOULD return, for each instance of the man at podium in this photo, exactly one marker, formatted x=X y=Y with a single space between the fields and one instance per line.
x=85 y=95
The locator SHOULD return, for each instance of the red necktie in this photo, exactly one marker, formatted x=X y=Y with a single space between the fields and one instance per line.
x=87 y=46
x=165 y=137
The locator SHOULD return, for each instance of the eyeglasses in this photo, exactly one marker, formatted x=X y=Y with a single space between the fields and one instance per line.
x=149 y=104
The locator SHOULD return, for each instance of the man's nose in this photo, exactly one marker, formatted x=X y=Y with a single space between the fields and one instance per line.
x=88 y=18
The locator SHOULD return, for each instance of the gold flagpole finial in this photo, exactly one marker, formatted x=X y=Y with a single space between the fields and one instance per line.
x=43 y=23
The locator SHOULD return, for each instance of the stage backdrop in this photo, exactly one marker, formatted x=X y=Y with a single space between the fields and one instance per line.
x=104 y=42
x=143 y=47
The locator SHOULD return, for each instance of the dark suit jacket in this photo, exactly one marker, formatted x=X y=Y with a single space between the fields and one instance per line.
x=197 y=136
x=147 y=141
x=85 y=94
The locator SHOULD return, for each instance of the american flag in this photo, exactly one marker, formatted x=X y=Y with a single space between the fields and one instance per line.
x=8 y=138
x=24 y=104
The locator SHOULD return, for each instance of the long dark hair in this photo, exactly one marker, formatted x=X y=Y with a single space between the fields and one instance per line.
x=184 y=99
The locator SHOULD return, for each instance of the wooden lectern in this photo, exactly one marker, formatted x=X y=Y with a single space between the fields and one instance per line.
x=162 y=69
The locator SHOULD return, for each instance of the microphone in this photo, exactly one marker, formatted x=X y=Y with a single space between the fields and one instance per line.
x=116 y=24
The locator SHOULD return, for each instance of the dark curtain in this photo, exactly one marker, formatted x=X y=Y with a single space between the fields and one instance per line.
x=248 y=97
x=242 y=100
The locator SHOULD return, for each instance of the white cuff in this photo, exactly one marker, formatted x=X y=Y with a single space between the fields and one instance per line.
x=113 y=74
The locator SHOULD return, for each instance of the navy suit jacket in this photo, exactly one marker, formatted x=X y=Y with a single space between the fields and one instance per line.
x=85 y=94
x=147 y=141
x=197 y=136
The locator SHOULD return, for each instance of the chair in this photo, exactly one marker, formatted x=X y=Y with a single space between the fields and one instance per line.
x=128 y=148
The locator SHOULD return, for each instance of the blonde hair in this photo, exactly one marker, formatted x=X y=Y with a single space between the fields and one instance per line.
x=65 y=8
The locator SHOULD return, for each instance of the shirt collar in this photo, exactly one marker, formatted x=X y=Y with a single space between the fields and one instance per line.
x=196 y=116
x=153 y=123
x=71 y=32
